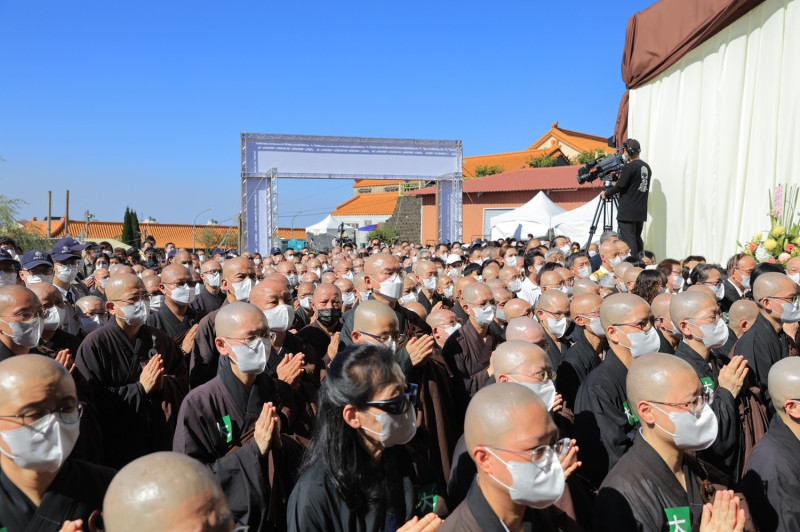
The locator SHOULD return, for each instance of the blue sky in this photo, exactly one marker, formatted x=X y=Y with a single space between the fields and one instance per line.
x=142 y=103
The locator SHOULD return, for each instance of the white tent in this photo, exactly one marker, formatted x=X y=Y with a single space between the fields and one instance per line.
x=534 y=217
x=576 y=223
x=329 y=225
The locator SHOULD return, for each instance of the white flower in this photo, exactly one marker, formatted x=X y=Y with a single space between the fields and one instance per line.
x=762 y=255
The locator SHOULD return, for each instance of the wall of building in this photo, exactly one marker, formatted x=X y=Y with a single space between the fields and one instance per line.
x=407 y=218
x=474 y=205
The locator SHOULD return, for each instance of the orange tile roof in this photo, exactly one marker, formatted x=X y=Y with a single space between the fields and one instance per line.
x=574 y=139
x=528 y=179
x=179 y=234
x=376 y=182
x=379 y=203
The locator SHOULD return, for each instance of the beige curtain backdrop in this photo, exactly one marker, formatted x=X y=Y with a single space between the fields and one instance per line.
x=720 y=128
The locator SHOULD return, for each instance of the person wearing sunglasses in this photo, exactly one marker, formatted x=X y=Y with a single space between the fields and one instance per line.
x=519 y=475
x=145 y=495
x=764 y=343
x=42 y=484
x=358 y=475
x=659 y=484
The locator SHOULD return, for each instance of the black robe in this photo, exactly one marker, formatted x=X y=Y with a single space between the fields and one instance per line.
x=469 y=355
x=772 y=481
x=133 y=422
x=211 y=422
x=555 y=354
x=731 y=296
x=168 y=323
x=604 y=422
x=727 y=452
x=76 y=491
x=60 y=340
x=641 y=493
x=726 y=348
x=762 y=346
x=665 y=346
x=204 y=358
x=206 y=302
x=316 y=505
x=579 y=360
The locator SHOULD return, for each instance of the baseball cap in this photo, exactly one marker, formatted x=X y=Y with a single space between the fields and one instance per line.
x=172 y=253
x=6 y=256
x=453 y=258
x=66 y=247
x=275 y=251
x=35 y=258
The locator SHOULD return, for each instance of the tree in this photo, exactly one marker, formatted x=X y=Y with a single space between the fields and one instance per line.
x=137 y=233
x=589 y=156
x=385 y=235
x=127 y=228
x=542 y=161
x=207 y=239
x=482 y=171
x=25 y=239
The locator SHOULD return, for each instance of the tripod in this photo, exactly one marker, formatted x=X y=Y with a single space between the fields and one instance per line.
x=606 y=208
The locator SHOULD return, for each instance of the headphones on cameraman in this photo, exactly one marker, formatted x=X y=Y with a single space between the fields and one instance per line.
x=631 y=147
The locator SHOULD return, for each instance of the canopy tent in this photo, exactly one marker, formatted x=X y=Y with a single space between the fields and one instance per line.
x=576 y=223
x=328 y=225
x=534 y=217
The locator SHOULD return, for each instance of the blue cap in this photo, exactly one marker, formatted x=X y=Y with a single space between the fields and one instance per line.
x=275 y=251
x=6 y=256
x=66 y=247
x=172 y=253
x=35 y=258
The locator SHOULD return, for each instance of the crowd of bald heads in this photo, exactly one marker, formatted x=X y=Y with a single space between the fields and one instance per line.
x=520 y=328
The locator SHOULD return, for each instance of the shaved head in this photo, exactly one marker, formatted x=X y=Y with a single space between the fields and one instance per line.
x=552 y=299
x=632 y=274
x=417 y=309
x=772 y=284
x=622 y=269
x=619 y=308
x=120 y=283
x=233 y=266
x=464 y=282
x=495 y=412
x=88 y=303
x=22 y=372
x=652 y=377
x=117 y=269
x=525 y=329
x=687 y=305
x=268 y=289
x=164 y=491
x=475 y=292
x=232 y=315
x=512 y=355
x=46 y=291
x=437 y=317
x=369 y=312
x=517 y=307
x=660 y=305
x=783 y=382
x=742 y=311
x=374 y=264
x=550 y=279
x=585 y=304
x=585 y=286
x=175 y=273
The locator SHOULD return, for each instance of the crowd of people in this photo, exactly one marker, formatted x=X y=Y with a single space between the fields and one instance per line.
x=500 y=386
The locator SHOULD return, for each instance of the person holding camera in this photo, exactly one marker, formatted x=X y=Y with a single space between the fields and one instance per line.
x=633 y=188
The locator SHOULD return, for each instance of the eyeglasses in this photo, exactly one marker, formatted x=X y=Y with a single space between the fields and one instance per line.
x=709 y=283
x=643 y=325
x=67 y=414
x=794 y=299
x=399 y=404
x=400 y=338
x=26 y=316
x=542 y=452
x=557 y=315
x=543 y=375
x=190 y=284
x=695 y=405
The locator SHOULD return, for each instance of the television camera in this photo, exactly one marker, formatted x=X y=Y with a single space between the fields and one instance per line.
x=606 y=168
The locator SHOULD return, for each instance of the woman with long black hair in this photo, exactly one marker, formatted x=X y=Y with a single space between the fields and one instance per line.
x=358 y=476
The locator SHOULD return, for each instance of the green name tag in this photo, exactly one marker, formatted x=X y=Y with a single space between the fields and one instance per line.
x=225 y=428
x=708 y=384
x=427 y=499
x=632 y=419
x=679 y=519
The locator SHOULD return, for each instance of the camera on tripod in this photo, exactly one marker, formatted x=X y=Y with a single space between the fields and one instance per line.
x=606 y=168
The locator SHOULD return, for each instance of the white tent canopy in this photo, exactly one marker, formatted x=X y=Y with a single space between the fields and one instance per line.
x=576 y=223
x=535 y=217
x=326 y=226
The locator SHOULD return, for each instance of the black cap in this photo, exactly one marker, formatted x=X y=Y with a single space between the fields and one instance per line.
x=632 y=146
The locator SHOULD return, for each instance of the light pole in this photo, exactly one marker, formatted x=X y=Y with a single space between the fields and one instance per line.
x=291 y=233
x=194 y=227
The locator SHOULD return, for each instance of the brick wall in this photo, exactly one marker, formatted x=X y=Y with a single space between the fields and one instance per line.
x=407 y=218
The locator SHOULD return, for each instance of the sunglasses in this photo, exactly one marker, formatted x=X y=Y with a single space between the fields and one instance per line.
x=399 y=404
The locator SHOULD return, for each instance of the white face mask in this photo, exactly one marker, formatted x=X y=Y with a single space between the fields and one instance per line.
x=719 y=291
x=537 y=485
x=279 y=317
x=448 y=292
x=349 y=299
x=408 y=298
x=440 y=271
x=348 y=276
x=511 y=261
x=595 y=326
x=100 y=266
x=515 y=285
x=430 y=283
x=584 y=272
x=33 y=279
x=557 y=326
x=305 y=303
x=7 y=278
x=500 y=314
x=183 y=294
x=212 y=279
x=103 y=283
x=545 y=390
x=453 y=328
x=565 y=250
x=25 y=333
x=365 y=295
x=794 y=277
x=156 y=302
x=677 y=283
x=292 y=278
x=197 y=288
x=317 y=272
x=592 y=253
x=66 y=273
x=714 y=334
x=201 y=258
x=396 y=429
x=241 y=290
x=643 y=342
x=483 y=315
x=392 y=288
x=250 y=358
x=43 y=445
x=538 y=267
x=53 y=318
x=791 y=313
x=92 y=324
x=746 y=282
x=692 y=432
x=615 y=261
x=135 y=315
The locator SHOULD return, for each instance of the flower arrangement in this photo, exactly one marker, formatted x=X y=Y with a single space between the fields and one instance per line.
x=782 y=241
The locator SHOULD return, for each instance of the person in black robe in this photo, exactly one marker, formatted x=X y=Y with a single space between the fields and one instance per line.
x=604 y=421
x=772 y=481
x=176 y=318
x=233 y=422
x=322 y=336
x=304 y=312
x=766 y=343
x=211 y=296
x=137 y=375
x=552 y=309
x=587 y=352
x=469 y=349
x=42 y=493
x=719 y=375
x=425 y=275
x=238 y=278
x=54 y=338
x=656 y=485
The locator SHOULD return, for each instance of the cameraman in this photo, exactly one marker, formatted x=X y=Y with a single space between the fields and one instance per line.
x=633 y=188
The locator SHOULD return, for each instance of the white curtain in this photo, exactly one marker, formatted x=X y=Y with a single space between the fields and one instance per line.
x=720 y=129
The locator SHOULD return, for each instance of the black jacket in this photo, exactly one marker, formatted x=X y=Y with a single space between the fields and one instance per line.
x=633 y=187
